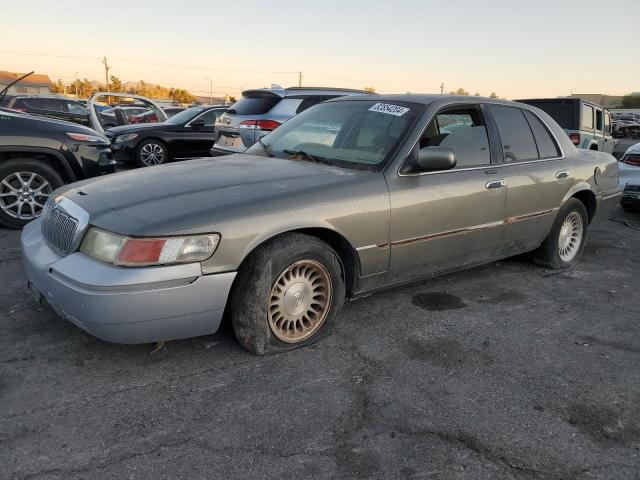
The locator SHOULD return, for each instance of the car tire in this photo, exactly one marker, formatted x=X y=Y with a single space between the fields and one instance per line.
x=17 y=205
x=564 y=245
x=287 y=294
x=151 y=152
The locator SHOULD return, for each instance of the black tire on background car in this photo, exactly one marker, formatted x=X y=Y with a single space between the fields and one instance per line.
x=151 y=152
x=564 y=245
x=25 y=186
x=287 y=294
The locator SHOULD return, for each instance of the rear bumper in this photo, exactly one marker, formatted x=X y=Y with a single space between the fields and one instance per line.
x=126 y=305
x=606 y=204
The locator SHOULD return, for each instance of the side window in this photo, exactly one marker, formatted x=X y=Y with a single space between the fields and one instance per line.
x=547 y=147
x=209 y=117
x=607 y=122
x=464 y=131
x=76 y=109
x=599 y=120
x=517 y=140
x=587 y=117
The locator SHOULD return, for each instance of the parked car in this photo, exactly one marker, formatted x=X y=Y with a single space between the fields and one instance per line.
x=185 y=135
x=351 y=196
x=38 y=155
x=261 y=111
x=587 y=124
x=630 y=178
x=119 y=115
x=52 y=107
x=149 y=116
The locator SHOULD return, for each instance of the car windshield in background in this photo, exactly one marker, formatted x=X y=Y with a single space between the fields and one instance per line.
x=184 y=116
x=345 y=133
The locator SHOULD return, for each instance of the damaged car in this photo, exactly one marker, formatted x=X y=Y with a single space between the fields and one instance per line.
x=349 y=197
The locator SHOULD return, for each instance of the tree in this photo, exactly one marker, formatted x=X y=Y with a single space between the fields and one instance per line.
x=116 y=84
x=57 y=87
x=369 y=89
x=477 y=94
x=631 y=101
x=461 y=91
x=493 y=95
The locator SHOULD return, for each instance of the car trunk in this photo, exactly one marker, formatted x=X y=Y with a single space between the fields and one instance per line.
x=236 y=129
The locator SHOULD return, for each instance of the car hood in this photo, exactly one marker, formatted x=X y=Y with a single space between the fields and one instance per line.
x=136 y=127
x=184 y=196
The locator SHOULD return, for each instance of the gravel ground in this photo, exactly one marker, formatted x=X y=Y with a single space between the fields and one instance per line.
x=500 y=372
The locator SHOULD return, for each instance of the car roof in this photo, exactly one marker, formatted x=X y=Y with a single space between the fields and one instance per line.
x=302 y=91
x=426 y=99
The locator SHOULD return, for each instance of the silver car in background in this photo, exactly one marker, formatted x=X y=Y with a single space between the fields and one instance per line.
x=261 y=111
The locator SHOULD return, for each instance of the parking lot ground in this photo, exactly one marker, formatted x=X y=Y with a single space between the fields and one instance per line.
x=507 y=371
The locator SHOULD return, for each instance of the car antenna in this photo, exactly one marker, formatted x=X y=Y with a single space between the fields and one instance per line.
x=4 y=91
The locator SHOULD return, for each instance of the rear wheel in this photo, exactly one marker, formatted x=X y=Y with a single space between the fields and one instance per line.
x=25 y=186
x=151 y=152
x=564 y=245
x=287 y=294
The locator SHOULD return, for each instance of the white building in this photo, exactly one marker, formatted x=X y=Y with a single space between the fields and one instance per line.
x=34 y=84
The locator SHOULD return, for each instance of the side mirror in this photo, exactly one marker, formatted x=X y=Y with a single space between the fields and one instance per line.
x=436 y=158
x=197 y=124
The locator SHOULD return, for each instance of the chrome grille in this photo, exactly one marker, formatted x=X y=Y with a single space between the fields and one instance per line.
x=58 y=228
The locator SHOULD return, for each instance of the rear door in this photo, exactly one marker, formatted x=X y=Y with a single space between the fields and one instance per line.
x=536 y=176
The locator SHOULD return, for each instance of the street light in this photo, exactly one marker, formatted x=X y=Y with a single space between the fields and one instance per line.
x=210 y=90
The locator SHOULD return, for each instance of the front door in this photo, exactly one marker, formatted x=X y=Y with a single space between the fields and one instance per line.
x=198 y=135
x=446 y=219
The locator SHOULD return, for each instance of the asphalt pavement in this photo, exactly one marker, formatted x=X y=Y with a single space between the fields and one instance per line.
x=506 y=371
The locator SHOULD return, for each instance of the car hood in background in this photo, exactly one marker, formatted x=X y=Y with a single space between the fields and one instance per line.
x=196 y=194
x=136 y=127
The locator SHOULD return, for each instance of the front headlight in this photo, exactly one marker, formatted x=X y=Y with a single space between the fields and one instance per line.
x=82 y=137
x=125 y=138
x=137 y=252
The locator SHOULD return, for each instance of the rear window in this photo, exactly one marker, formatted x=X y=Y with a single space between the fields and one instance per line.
x=254 y=105
x=562 y=112
x=547 y=147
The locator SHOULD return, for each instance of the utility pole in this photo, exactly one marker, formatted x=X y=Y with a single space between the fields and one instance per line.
x=300 y=78
x=210 y=90
x=106 y=71
x=442 y=88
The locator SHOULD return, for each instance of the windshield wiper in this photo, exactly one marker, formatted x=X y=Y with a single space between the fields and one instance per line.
x=267 y=148
x=4 y=91
x=308 y=156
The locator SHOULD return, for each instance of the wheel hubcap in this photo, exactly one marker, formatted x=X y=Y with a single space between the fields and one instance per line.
x=23 y=195
x=152 y=154
x=300 y=300
x=570 y=236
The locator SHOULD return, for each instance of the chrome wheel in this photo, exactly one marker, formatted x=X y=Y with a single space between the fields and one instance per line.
x=23 y=195
x=300 y=301
x=571 y=234
x=151 y=154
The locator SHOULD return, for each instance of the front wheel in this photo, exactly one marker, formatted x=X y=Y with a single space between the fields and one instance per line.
x=287 y=294
x=25 y=186
x=564 y=245
x=151 y=152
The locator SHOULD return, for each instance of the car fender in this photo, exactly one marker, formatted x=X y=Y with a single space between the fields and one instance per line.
x=578 y=187
x=60 y=158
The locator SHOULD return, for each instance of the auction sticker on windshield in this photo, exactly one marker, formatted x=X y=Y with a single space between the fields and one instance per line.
x=396 y=110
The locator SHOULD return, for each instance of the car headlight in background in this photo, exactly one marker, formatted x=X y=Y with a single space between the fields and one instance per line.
x=137 y=252
x=82 y=137
x=125 y=138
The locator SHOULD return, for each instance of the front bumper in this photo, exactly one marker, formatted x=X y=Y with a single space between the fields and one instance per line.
x=124 y=151
x=126 y=305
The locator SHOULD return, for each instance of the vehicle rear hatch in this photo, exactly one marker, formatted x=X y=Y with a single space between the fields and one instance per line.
x=235 y=130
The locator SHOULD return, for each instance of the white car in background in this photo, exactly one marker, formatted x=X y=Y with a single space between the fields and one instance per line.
x=629 y=171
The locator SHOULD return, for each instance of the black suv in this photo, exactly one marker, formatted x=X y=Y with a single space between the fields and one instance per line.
x=38 y=155
x=52 y=107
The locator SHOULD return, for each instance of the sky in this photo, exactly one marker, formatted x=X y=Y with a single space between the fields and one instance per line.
x=514 y=48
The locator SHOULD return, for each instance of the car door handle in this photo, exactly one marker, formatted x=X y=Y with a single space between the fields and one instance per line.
x=562 y=174
x=496 y=184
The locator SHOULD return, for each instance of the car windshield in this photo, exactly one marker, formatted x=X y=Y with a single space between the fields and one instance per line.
x=184 y=116
x=346 y=133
